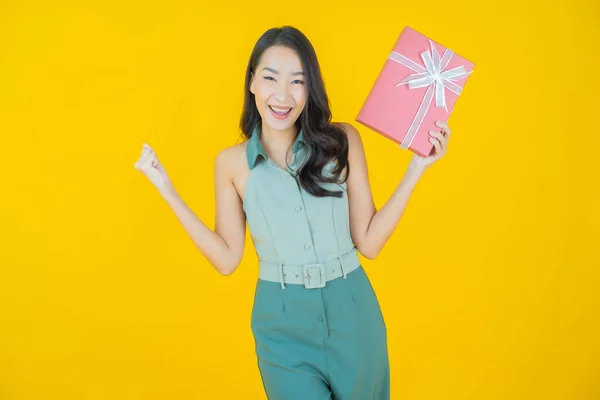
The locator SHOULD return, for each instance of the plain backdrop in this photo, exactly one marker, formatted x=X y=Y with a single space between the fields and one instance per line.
x=489 y=285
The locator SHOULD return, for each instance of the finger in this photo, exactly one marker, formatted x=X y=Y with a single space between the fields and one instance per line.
x=153 y=161
x=436 y=134
x=443 y=140
x=150 y=161
x=149 y=148
x=443 y=144
x=441 y=124
x=146 y=150
x=436 y=144
x=444 y=126
x=440 y=137
x=145 y=162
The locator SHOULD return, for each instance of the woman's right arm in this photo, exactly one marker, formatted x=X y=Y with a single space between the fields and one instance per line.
x=223 y=247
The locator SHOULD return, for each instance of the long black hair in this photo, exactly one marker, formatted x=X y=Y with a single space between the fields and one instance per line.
x=327 y=141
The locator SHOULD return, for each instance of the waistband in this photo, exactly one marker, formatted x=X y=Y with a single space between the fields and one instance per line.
x=312 y=276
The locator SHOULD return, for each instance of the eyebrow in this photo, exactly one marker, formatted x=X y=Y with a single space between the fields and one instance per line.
x=276 y=72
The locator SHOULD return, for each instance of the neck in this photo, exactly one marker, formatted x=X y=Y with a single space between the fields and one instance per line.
x=276 y=141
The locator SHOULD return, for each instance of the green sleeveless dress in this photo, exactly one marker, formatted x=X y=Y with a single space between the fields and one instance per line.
x=311 y=343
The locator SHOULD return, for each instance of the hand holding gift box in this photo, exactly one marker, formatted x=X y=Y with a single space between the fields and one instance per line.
x=401 y=104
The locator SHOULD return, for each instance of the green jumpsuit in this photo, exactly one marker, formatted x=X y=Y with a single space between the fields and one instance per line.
x=311 y=343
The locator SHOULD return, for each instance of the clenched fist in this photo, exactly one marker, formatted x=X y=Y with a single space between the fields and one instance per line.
x=149 y=165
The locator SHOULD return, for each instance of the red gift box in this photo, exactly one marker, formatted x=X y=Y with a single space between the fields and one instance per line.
x=418 y=85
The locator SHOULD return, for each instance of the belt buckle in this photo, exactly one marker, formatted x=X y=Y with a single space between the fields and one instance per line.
x=307 y=268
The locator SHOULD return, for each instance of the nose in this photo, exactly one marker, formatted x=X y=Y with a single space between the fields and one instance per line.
x=281 y=92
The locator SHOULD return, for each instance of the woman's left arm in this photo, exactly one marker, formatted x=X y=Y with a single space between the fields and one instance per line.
x=371 y=229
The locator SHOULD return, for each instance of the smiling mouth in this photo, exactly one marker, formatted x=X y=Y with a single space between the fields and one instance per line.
x=280 y=111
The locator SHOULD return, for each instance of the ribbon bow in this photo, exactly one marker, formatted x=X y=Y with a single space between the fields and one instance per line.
x=432 y=73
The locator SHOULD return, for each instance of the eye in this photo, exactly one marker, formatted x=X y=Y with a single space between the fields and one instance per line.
x=273 y=79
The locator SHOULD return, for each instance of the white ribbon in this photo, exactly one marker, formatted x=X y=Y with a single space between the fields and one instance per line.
x=432 y=73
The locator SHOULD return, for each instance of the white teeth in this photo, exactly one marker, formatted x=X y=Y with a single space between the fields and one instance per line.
x=280 y=110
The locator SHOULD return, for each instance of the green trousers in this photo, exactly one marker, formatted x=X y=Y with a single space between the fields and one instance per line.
x=321 y=343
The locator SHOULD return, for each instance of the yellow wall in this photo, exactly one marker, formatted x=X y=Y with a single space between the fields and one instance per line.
x=489 y=286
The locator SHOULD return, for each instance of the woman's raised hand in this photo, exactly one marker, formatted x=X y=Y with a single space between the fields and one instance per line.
x=439 y=139
x=149 y=165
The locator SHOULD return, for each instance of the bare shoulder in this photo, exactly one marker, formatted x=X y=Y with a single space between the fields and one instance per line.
x=232 y=159
x=353 y=135
x=231 y=164
x=348 y=128
x=355 y=145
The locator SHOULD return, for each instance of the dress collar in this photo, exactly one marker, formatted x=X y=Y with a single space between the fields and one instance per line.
x=255 y=147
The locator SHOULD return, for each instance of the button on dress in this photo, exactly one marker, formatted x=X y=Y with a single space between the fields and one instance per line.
x=311 y=343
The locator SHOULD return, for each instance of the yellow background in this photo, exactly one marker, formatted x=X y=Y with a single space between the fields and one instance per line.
x=489 y=286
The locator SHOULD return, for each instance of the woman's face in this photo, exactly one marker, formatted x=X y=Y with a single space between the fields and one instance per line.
x=279 y=88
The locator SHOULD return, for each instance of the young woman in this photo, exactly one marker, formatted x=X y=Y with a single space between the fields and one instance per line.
x=301 y=183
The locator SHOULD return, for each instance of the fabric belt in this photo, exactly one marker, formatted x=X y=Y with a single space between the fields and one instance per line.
x=310 y=275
